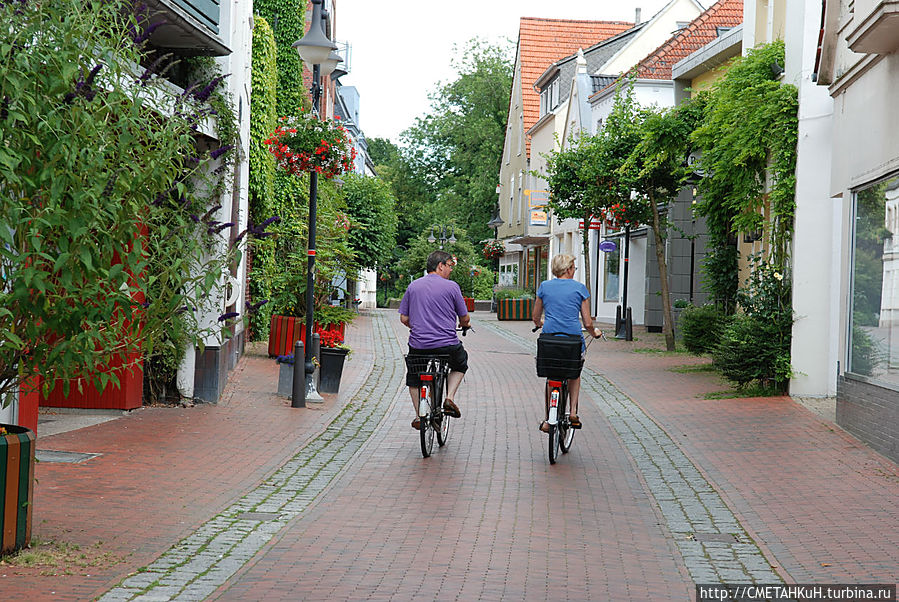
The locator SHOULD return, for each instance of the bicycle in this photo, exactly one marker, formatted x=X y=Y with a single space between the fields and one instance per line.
x=432 y=370
x=557 y=371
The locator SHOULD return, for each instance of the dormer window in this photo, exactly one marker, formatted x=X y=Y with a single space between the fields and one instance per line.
x=549 y=97
x=720 y=31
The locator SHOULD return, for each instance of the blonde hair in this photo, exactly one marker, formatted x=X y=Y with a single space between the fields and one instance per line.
x=561 y=264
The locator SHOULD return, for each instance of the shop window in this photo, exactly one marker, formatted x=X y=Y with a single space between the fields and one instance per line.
x=610 y=275
x=874 y=318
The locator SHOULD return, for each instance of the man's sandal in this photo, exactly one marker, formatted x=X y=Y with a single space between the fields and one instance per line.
x=416 y=424
x=544 y=427
x=574 y=421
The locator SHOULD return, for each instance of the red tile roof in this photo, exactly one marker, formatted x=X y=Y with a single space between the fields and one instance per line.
x=701 y=31
x=544 y=41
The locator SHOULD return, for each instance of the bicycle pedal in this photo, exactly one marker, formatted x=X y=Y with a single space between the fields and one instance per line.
x=574 y=426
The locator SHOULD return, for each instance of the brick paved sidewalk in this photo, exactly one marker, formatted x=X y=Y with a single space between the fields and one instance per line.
x=340 y=490
x=822 y=506
x=163 y=471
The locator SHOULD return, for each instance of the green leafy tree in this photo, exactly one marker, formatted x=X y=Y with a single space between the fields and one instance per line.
x=585 y=179
x=108 y=234
x=474 y=279
x=655 y=172
x=410 y=190
x=457 y=148
x=371 y=209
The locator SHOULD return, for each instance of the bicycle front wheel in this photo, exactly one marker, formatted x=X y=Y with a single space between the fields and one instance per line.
x=442 y=421
x=426 y=428
x=554 y=434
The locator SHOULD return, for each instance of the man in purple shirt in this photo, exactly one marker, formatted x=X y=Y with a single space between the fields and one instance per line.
x=429 y=309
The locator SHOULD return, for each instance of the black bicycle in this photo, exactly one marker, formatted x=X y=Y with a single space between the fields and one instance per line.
x=558 y=368
x=432 y=371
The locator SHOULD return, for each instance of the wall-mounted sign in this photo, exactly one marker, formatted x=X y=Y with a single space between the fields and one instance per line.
x=537 y=198
x=607 y=246
x=595 y=224
x=538 y=218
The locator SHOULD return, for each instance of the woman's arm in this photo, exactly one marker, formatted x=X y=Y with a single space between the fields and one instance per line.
x=587 y=319
x=537 y=314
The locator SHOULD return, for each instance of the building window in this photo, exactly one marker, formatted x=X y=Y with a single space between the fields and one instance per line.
x=610 y=276
x=874 y=318
x=549 y=97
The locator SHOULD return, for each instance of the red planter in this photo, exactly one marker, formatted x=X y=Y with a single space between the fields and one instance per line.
x=127 y=396
x=469 y=303
x=285 y=331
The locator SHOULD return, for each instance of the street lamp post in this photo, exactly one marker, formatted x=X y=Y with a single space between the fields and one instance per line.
x=439 y=234
x=495 y=223
x=317 y=50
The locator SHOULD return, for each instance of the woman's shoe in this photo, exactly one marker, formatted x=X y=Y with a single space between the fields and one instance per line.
x=416 y=424
x=574 y=421
x=544 y=427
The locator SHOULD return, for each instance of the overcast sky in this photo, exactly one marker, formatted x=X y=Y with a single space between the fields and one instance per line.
x=401 y=49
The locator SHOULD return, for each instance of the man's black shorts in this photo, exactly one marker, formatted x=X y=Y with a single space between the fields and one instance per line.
x=458 y=360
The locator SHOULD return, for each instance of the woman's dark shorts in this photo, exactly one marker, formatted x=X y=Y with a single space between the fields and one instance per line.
x=458 y=360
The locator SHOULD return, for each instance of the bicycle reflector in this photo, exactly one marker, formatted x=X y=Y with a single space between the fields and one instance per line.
x=555 y=383
x=427 y=377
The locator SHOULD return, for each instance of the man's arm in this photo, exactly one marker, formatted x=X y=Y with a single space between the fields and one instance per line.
x=465 y=321
x=405 y=320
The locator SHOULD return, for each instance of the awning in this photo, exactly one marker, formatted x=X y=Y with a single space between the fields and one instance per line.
x=530 y=240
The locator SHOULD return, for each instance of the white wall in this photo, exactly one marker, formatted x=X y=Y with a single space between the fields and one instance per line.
x=817 y=243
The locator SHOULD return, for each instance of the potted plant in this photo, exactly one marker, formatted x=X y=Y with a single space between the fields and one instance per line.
x=514 y=304
x=306 y=143
x=493 y=249
x=333 y=353
x=285 y=374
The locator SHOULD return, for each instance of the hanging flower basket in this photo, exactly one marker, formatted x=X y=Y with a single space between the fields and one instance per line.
x=306 y=143
x=494 y=249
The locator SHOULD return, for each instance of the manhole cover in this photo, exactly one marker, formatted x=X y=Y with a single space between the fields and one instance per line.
x=720 y=537
x=46 y=455
x=260 y=516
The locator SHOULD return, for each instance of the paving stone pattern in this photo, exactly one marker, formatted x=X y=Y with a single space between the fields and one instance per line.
x=696 y=515
x=195 y=567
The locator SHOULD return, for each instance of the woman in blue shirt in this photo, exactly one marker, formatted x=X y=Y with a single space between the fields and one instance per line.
x=566 y=303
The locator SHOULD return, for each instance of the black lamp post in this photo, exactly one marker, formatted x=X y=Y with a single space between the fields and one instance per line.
x=439 y=234
x=317 y=50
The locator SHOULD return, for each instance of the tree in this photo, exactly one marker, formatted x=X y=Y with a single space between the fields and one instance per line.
x=655 y=172
x=411 y=193
x=585 y=180
x=108 y=237
x=457 y=148
x=371 y=209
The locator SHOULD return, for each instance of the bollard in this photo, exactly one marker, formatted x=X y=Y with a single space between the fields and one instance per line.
x=312 y=371
x=298 y=398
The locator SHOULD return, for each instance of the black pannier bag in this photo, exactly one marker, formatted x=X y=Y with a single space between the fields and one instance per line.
x=559 y=355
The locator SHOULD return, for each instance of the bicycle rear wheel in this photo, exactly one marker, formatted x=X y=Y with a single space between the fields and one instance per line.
x=566 y=433
x=441 y=420
x=426 y=428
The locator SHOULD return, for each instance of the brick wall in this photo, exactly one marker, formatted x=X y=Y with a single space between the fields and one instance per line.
x=871 y=413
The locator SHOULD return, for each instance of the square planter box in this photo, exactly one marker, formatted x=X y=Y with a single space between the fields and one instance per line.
x=514 y=309
x=285 y=331
x=285 y=380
